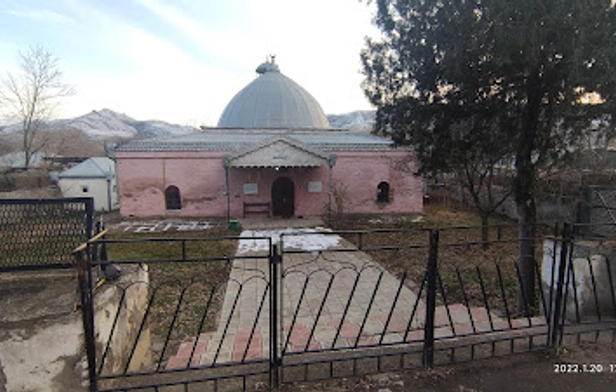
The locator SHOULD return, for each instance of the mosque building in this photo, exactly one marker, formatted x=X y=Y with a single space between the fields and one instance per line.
x=273 y=154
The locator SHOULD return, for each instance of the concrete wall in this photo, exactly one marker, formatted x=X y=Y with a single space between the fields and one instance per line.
x=549 y=209
x=590 y=286
x=200 y=177
x=107 y=302
x=102 y=190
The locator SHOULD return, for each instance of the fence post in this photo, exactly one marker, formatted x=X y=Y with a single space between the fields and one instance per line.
x=275 y=360
x=557 y=320
x=89 y=203
x=87 y=314
x=431 y=273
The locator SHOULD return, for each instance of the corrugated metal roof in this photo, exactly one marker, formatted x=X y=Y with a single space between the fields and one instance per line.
x=99 y=167
x=234 y=140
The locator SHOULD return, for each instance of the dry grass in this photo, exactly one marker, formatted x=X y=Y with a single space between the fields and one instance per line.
x=468 y=272
x=186 y=297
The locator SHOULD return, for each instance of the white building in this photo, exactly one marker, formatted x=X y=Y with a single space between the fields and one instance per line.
x=96 y=178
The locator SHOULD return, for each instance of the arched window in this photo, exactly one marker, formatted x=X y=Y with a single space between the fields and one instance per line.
x=172 y=198
x=382 y=192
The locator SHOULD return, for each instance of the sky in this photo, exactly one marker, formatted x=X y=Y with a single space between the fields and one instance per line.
x=182 y=61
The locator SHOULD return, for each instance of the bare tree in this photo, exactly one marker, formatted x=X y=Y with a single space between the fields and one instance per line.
x=30 y=96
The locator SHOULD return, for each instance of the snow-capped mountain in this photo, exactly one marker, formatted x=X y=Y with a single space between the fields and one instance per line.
x=106 y=124
x=101 y=124
x=358 y=121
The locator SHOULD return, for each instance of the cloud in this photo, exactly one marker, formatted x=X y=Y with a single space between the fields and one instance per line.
x=318 y=45
x=164 y=83
x=175 y=17
x=217 y=44
x=43 y=15
x=183 y=68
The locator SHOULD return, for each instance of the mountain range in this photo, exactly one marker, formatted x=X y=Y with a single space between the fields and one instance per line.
x=106 y=124
x=358 y=121
x=87 y=135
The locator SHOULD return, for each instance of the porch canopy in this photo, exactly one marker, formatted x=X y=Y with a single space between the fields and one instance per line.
x=279 y=152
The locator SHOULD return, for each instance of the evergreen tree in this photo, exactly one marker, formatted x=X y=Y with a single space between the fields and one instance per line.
x=481 y=81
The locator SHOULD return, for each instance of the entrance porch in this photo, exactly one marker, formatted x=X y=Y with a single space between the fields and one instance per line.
x=280 y=178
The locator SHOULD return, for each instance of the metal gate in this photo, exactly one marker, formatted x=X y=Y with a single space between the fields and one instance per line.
x=313 y=305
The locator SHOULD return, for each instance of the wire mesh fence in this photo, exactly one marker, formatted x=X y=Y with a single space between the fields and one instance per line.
x=41 y=233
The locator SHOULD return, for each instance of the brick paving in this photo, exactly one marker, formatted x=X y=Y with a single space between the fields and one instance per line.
x=330 y=299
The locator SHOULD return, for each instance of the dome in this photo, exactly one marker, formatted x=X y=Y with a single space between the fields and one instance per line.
x=273 y=100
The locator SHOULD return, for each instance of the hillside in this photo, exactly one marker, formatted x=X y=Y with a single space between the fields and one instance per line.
x=106 y=124
x=357 y=121
x=85 y=135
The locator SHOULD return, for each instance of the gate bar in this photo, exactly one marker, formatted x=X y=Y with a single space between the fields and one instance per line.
x=557 y=327
x=275 y=360
x=428 y=349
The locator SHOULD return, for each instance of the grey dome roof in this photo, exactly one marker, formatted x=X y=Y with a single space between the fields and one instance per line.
x=273 y=100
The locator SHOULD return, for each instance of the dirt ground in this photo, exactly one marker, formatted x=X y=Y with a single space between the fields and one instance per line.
x=40 y=333
x=528 y=372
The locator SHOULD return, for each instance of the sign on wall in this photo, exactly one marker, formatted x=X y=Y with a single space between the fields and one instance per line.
x=315 y=187
x=253 y=176
x=251 y=188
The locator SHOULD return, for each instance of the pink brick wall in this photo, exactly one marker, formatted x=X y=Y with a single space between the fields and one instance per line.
x=357 y=176
x=143 y=178
x=200 y=176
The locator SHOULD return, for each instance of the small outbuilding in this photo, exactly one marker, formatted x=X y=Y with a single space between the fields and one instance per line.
x=94 y=177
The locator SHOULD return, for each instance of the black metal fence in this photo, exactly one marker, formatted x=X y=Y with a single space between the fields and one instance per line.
x=331 y=304
x=41 y=233
x=596 y=214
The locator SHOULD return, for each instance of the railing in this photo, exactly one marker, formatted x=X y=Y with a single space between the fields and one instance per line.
x=596 y=214
x=429 y=290
x=331 y=304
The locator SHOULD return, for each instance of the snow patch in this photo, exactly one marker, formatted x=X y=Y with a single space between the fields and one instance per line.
x=305 y=239
x=357 y=121
x=155 y=227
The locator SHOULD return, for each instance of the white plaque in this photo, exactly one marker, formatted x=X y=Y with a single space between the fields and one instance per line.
x=315 y=187
x=251 y=188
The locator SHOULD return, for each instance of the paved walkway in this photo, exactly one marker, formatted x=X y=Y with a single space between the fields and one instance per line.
x=333 y=296
x=258 y=223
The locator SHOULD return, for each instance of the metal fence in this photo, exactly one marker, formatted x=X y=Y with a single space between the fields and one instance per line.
x=596 y=214
x=41 y=233
x=309 y=306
